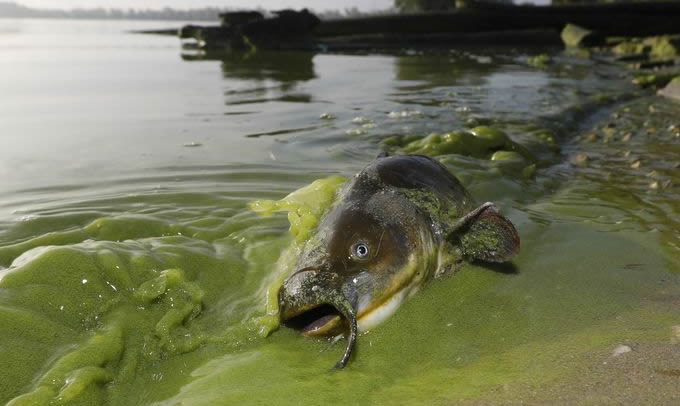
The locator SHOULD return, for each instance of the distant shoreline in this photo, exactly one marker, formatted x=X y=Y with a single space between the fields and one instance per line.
x=10 y=10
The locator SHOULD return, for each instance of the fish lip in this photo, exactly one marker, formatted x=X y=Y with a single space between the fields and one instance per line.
x=310 y=289
x=313 y=313
x=314 y=319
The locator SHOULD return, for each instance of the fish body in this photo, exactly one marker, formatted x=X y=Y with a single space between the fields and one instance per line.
x=402 y=220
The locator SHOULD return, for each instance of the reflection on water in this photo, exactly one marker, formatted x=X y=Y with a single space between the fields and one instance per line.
x=267 y=75
x=97 y=185
x=447 y=69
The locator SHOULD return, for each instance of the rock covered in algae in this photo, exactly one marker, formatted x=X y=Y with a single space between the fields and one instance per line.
x=576 y=36
x=478 y=142
x=653 y=79
x=540 y=61
x=663 y=47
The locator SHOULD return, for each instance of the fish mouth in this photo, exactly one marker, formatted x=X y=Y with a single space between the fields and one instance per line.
x=315 y=303
x=317 y=320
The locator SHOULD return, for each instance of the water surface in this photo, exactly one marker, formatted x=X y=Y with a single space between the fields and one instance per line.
x=131 y=268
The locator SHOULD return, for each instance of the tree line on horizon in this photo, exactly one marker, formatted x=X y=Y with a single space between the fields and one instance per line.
x=14 y=10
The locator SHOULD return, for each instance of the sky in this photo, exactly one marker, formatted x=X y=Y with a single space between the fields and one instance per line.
x=184 y=4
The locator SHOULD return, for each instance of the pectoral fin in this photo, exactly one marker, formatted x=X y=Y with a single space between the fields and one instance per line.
x=485 y=235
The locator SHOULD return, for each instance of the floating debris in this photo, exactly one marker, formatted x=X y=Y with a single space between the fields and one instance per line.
x=540 y=61
x=192 y=144
x=355 y=131
x=405 y=114
x=361 y=120
x=327 y=116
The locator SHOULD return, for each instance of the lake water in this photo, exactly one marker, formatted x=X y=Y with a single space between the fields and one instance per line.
x=131 y=268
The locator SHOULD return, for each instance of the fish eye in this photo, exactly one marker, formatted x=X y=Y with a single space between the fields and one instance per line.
x=360 y=250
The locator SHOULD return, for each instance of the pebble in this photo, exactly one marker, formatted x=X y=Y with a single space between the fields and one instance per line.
x=636 y=164
x=675 y=335
x=580 y=160
x=621 y=349
x=592 y=137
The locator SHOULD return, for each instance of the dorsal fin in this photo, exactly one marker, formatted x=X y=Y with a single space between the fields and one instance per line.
x=486 y=235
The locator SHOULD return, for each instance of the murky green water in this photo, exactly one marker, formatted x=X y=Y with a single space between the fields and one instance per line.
x=131 y=268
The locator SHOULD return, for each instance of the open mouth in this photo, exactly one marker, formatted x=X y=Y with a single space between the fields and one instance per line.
x=322 y=319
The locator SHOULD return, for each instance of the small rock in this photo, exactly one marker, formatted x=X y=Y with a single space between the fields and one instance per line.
x=580 y=160
x=621 y=349
x=675 y=335
x=636 y=164
x=654 y=185
x=672 y=89
x=592 y=137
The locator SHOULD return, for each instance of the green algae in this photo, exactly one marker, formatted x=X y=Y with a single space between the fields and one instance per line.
x=631 y=47
x=663 y=47
x=653 y=79
x=478 y=142
x=507 y=156
x=540 y=61
x=540 y=336
x=304 y=206
x=130 y=311
x=575 y=36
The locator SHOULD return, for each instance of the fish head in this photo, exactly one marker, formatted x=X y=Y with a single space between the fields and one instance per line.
x=363 y=262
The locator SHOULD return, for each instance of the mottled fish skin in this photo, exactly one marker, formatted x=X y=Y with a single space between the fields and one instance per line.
x=402 y=220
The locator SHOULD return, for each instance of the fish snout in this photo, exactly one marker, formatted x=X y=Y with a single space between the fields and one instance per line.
x=312 y=301
x=319 y=302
